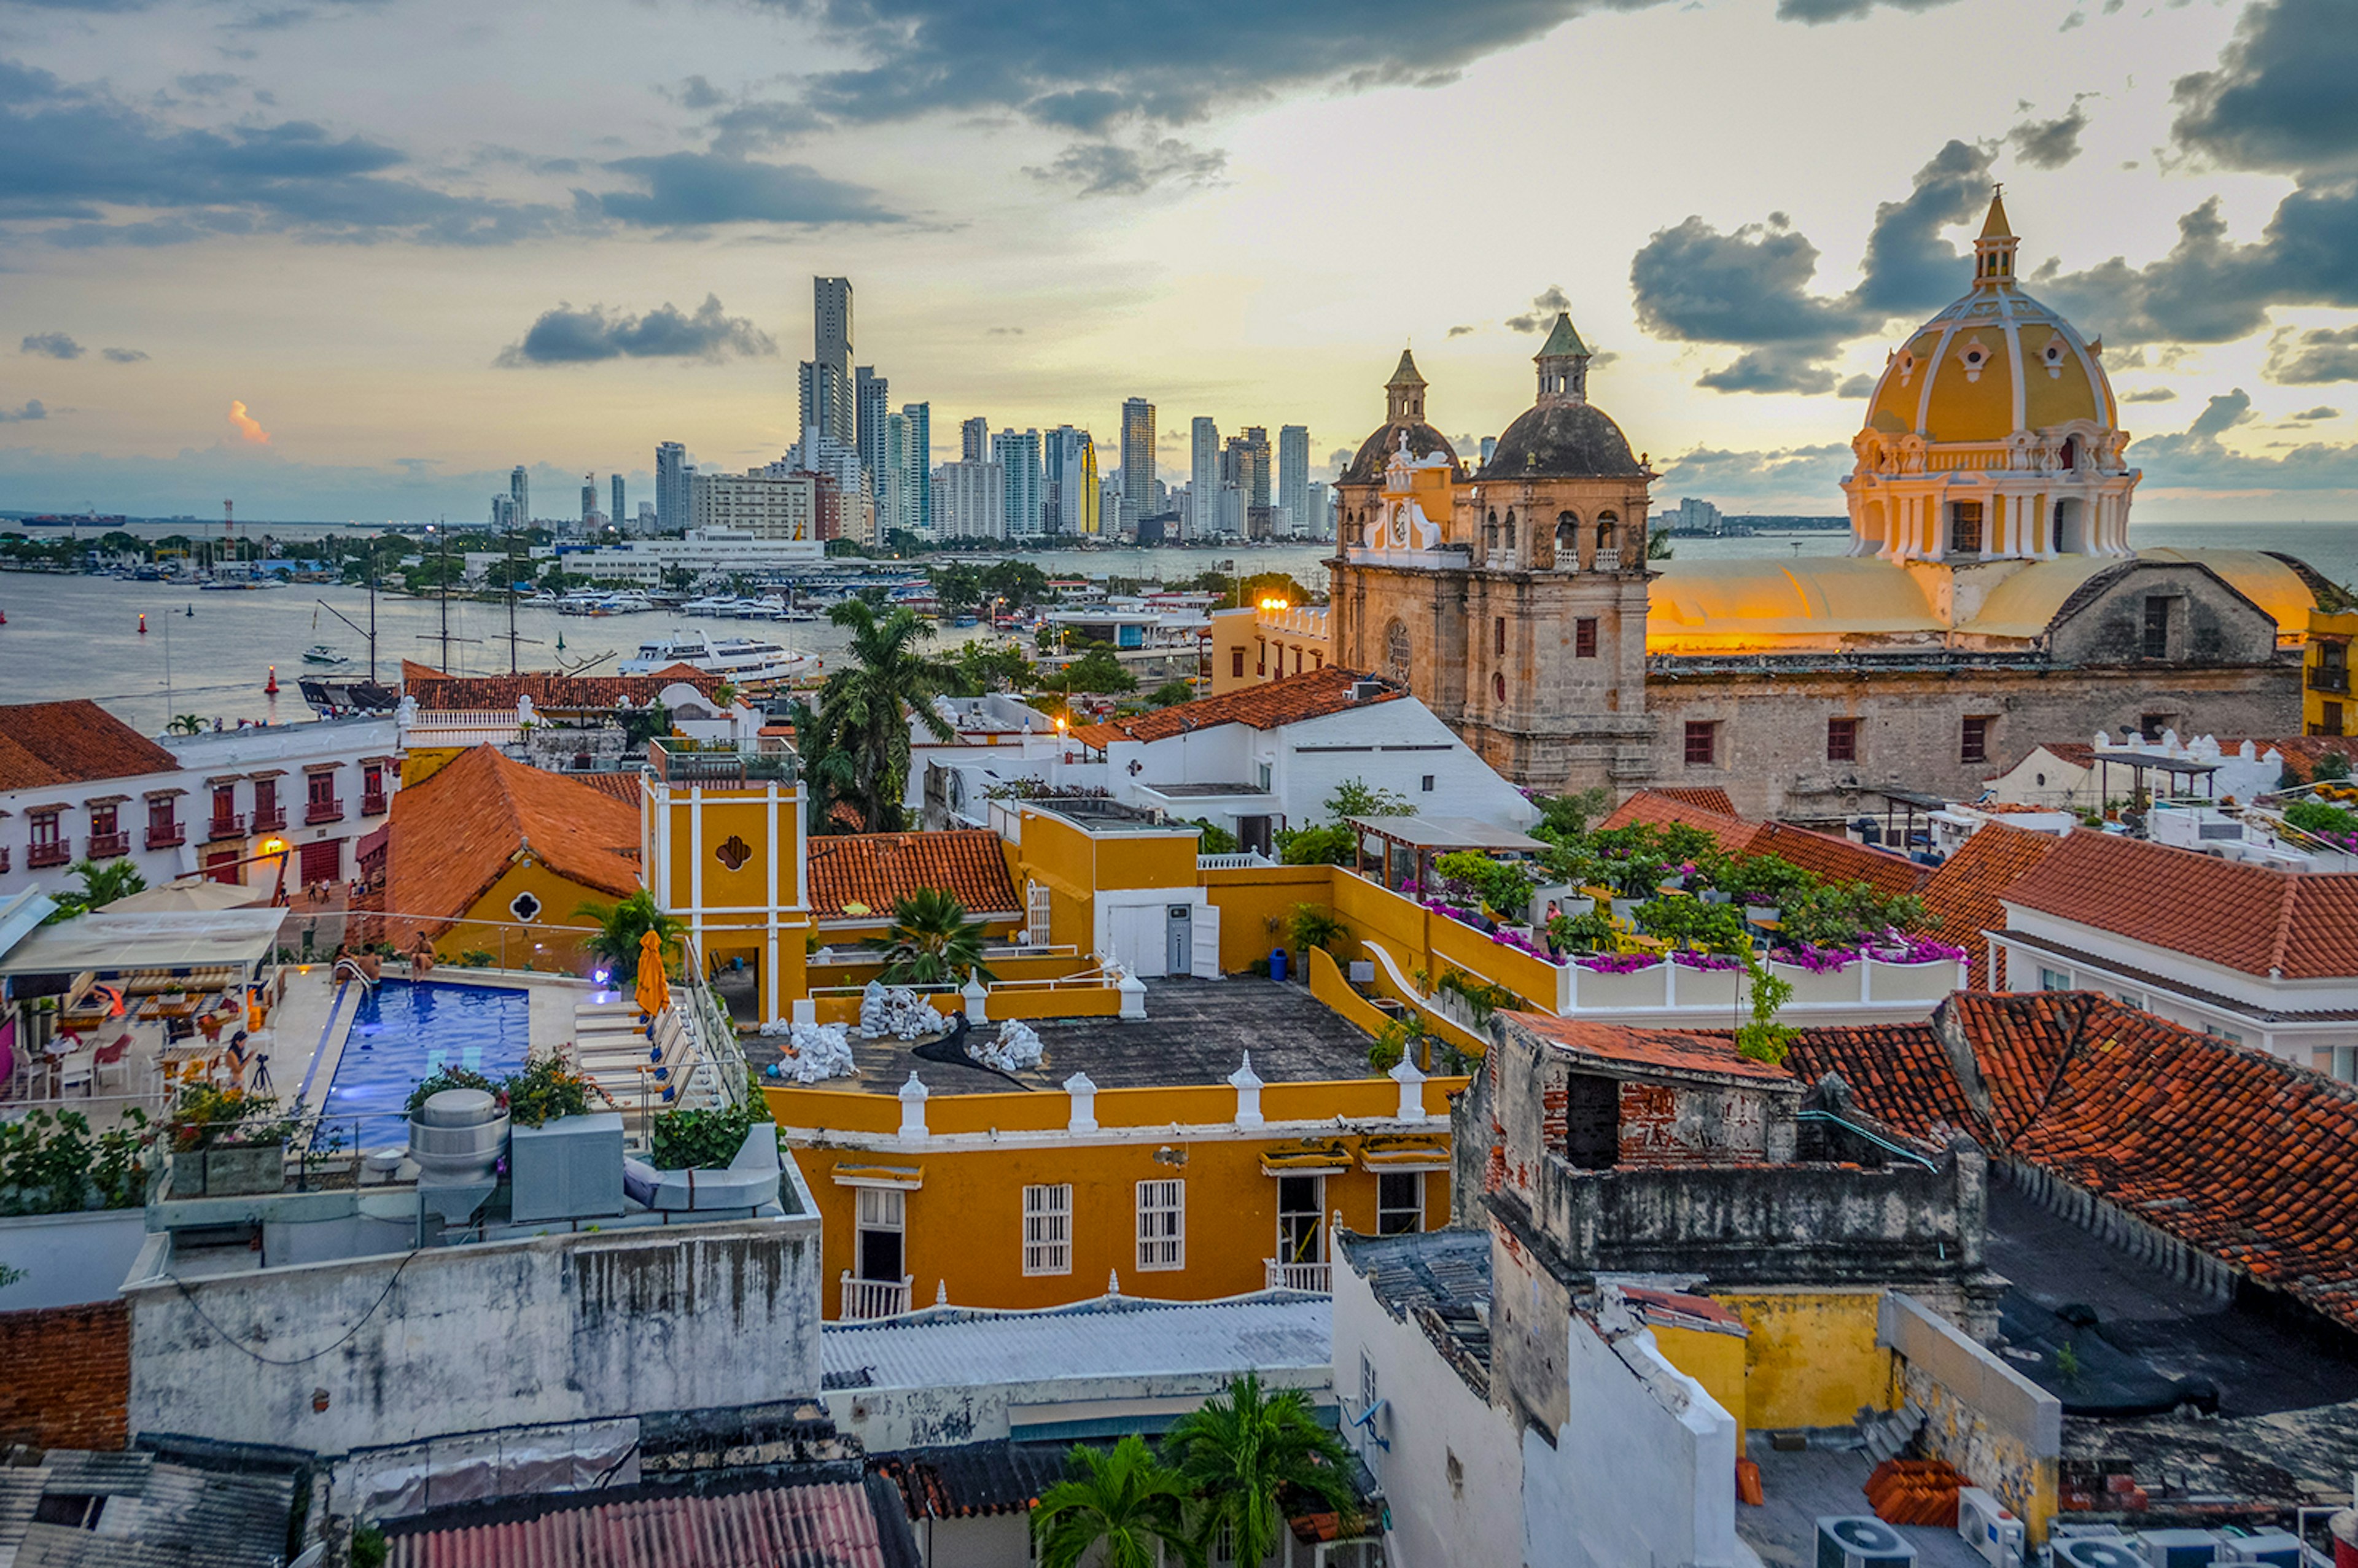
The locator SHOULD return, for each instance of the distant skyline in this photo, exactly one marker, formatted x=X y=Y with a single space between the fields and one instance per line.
x=343 y=259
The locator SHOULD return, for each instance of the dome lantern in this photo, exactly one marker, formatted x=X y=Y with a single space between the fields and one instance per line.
x=1404 y=394
x=1994 y=248
x=1563 y=363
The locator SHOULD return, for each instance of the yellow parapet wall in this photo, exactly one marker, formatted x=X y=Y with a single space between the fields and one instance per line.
x=1812 y=1358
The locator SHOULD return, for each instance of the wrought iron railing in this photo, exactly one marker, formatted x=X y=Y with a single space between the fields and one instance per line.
x=329 y=810
x=229 y=827
x=163 y=835
x=106 y=846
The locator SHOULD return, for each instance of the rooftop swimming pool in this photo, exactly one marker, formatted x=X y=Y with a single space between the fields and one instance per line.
x=403 y=1031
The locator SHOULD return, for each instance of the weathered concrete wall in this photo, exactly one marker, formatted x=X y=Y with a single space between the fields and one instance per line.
x=1811 y=1356
x=556 y=1328
x=2001 y=1430
x=68 y=1259
x=65 y=1375
x=2209 y=622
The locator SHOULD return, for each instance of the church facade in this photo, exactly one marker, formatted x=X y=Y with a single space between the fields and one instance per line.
x=1989 y=598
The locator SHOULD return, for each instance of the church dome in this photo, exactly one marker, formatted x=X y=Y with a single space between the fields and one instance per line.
x=1403 y=415
x=1562 y=436
x=1994 y=363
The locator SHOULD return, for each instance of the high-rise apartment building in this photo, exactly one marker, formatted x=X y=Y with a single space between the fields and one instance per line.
x=827 y=388
x=1203 y=474
x=616 y=515
x=970 y=500
x=916 y=473
x=760 y=503
x=1137 y=499
x=1294 y=476
x=1017 y=453
x=672 y=499
x=1316 y=523
x=1256 y=440
x=1069 y=481
x=520 y=492
x=973 y=440
x=872 y=402
x=589 y=499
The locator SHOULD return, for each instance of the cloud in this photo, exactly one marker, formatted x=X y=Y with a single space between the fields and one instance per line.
x=207 y=84
x=567 y=336
x=2150 y=395
x=1004 y=332
x=1805 y=480
x=680 y=191
x=1542 y=313
x=695 y=92
x=1859 y=385
x=2314 y=357
x=2321 y=411
x=2049 y=143
x=1461 y=332
x=31 y=410
x=248 y=427
x=1844 y=10
x=2196 y=459
x=55 y=345
x=2280 y=98
x=1750 y=289
x=1109 y=169
x=124 y=356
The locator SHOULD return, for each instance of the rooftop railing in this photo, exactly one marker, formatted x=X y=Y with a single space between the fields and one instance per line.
x=681 y=761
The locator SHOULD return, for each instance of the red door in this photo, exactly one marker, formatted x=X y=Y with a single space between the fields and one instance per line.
x=221 y=866
x=323 y=862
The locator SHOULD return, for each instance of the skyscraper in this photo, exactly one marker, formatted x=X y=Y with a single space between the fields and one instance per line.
x=1204 y=476
x=871 y=403
x=1017 y=453
x=893 y=495
x=589 y=499
x=1294 y=476
x=617 y=516
x=970 y=501
x=1069 y=488
x=520 y=491
x=672 y=494
x=973 y=440
x=1137 y=461
x=918 y=459
x=827 y=391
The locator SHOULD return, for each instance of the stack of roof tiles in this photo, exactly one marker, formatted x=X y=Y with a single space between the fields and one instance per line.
x=2231 y=1151
x=1915 y=1491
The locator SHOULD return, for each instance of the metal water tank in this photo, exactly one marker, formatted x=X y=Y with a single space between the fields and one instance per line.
x=456 y=1137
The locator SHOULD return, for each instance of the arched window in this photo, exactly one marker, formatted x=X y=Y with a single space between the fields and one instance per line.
x=1397 y=654
x=1606 y=524
x=1567 y=539
x=2070 y=457
x=1510 y=530
x=1499 y=687
x=1490 y=535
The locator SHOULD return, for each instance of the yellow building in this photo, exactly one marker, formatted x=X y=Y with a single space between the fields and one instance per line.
x=2325 y=672
x=723 y=848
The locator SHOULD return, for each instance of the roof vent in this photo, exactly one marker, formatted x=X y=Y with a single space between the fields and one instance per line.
x=1367 y=690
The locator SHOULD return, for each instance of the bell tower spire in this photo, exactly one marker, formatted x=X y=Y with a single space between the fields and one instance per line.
x=1995 y=249
x=1404 y=394
x=1564 y=364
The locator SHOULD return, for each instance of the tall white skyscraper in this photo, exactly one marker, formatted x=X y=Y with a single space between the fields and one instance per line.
x=973 y=440
x=1294 y=476
x=1017 y=453
x=520 y=492
x=826 y=376
x=618 y=517
x=671 y=493
x=1203 y=474
x=970 y=500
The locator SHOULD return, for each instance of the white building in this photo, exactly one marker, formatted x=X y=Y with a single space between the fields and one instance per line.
x=970 y=500
x=77 y=783
x=641 y=563
x=756 y=504
x=1017 y=453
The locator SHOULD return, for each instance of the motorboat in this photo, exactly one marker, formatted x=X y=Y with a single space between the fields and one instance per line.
x=748 y=660
x=322 y=653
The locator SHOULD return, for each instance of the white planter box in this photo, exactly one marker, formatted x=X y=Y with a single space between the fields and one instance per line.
x=1593 y=991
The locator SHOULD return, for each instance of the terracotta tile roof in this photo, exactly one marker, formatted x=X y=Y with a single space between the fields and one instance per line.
x=876 y=869
x=2302 y=925
x=1709 y=797
x=629 y=788
x=1264 y=707
x=1963 y=893
x=834 y=1522
x=2226 y=1147
x=439 y=693
x=1659 y=1050
x=73 y=742
x=455 y=834
x=1663 y=808
x=1836 y=860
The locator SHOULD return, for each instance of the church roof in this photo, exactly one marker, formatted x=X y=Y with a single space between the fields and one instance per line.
x=1406 y=374
x=1376 y=453
x=1563 y=341
x=1562 y=440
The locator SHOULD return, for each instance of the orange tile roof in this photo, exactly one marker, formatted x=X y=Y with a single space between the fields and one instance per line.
x=877 y=868
x=1709 y=797
x=1822 y=854
x=1662 y=808
x=2229 y=1149
x=2300 y=925
x=1660 y=1050
x=73 y=742
x=550 y=692
x=629 y=788
x=1963 y=893
x=454 y=835
x=1265 y=707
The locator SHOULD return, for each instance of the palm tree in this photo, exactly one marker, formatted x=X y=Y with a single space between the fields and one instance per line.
x=185 y=724
x=864 y=710
x=102 y=884
x=1239 y=1450
x=931 y=941
x=1124 y=1500
x=619 y=927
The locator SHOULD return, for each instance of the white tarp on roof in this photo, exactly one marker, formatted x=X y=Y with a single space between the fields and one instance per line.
x=109 y=943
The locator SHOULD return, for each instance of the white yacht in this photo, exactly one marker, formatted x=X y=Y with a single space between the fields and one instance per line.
x=743 y=659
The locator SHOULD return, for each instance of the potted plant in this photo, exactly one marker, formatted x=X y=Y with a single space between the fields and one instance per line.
x=226 y=1142
x=564 y=1144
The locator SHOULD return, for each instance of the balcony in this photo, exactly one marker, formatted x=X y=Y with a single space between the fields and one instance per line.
x=107 y=846
x=318 y=811
x=164 y=834
x=678 y=761
x=1608 y=560
x=373 y=804
x=1318 y=1279
x=865 y=1298
x=56 y=852
x=269 y=818
x=229 y=827
x=2330 y=677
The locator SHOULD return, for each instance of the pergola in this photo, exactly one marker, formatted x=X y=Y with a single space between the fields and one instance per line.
x=1404 y=847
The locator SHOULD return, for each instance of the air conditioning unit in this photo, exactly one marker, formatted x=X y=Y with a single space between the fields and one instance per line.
x=1862 y=1541
x=2179 y=1548
x=2098 y=1552
x=1984 y=1524
x=2274 y=1547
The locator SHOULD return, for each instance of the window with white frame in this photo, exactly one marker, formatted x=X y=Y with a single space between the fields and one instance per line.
x=1162 y=1225
x=1048 y=1229
x=883 y=1224
x=1399 y=1203
x=2054 y=980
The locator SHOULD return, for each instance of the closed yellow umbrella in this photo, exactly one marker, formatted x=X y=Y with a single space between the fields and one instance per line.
x=653 y=990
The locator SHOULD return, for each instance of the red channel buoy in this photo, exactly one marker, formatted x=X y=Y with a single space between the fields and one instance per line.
x=272 y=689
x=143 y=624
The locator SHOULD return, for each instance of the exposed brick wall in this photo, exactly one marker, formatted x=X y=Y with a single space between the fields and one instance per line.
x=65 y=1376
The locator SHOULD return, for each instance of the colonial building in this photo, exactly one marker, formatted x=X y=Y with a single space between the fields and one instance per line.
x=1989 y=595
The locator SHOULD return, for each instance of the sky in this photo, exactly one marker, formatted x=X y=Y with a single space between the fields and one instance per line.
x=353 y=258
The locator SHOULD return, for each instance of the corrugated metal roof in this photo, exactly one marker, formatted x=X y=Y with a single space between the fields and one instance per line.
x=827 y=1524
x=973 y=1480
x=159 y=1515
x=1111 y=1338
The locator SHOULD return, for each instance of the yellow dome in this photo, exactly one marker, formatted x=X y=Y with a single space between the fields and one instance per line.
x=1994 y=363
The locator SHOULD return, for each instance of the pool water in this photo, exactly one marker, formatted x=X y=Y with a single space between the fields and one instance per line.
x=403 y=1031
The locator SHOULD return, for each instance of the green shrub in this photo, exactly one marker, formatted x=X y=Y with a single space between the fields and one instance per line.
x=703 y=1140
x=1691 y=922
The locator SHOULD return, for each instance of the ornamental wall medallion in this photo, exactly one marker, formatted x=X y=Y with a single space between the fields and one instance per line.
x=733 y=852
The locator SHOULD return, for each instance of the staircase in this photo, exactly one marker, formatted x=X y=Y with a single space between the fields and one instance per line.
x=610 y=1045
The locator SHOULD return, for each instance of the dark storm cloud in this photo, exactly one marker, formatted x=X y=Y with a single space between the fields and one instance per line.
x=2049 y=143
x=2311 y=358
x=682 y=190
x=1859 y=385
x=54 y=345
x=2280 y=98
x=66 y=152
x=567 y=336
x=1542 y=313
x=1109 y=169
x=2196 y=459
x=1816 y=11
x=31 y=410
x=1750 y=289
